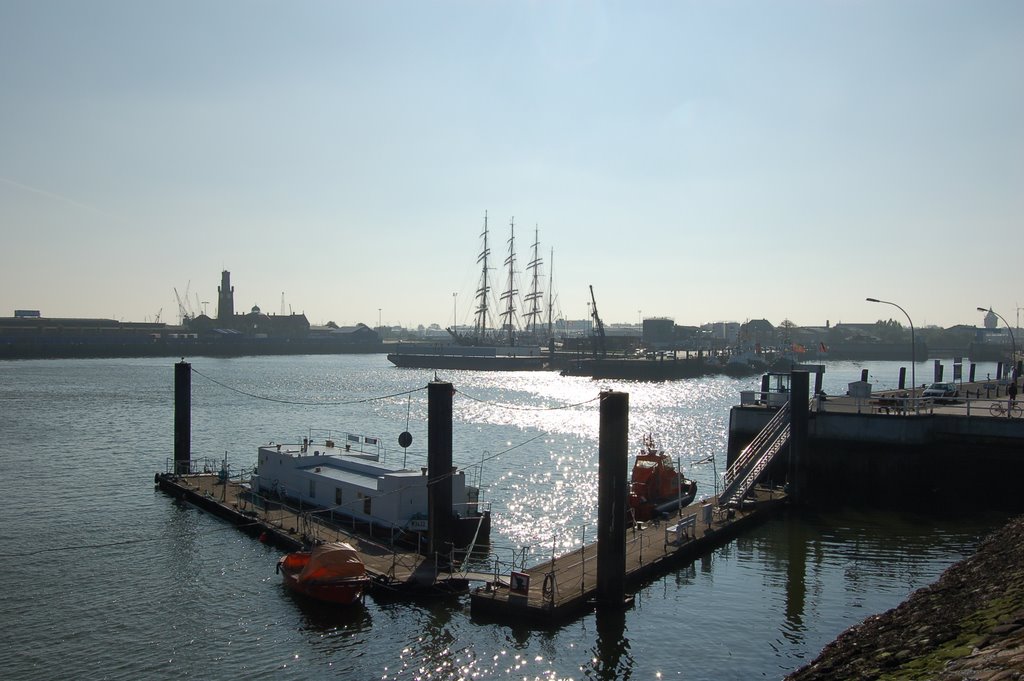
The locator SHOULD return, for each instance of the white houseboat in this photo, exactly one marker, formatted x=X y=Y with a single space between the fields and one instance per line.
x=350 y=481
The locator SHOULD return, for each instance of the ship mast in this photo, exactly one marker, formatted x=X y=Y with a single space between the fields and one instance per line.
x=533 y=298
x=509 y=296
x=551 y=288
x=483 y=291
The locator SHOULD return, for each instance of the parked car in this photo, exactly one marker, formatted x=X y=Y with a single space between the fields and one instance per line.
x=941 y=392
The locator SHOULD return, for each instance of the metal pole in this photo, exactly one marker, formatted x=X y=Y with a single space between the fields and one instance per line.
x=913 y=349
x=1013 y=342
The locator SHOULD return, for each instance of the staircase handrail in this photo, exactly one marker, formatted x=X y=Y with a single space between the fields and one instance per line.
x=767 y=434
x=738 y=491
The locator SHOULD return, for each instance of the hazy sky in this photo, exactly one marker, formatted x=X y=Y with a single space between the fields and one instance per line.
x=704 y=161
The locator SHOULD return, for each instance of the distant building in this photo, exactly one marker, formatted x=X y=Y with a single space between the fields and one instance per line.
x=759 y=333
x=658 y=333
x=991 y=320
x=225 y=298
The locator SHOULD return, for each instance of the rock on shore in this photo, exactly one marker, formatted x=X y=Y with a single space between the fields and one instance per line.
x=967 y=625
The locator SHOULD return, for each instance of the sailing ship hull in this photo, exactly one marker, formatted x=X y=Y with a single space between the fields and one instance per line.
x=637 y=369
x=520 y=358
x=468 y=362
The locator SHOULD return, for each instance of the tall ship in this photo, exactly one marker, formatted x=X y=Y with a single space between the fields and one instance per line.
x=507 y=347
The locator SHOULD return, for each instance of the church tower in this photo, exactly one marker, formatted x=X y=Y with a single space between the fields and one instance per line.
x=225 y=298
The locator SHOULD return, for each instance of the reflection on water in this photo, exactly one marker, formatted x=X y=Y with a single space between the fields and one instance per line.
x=612 y=658
x=184 y=594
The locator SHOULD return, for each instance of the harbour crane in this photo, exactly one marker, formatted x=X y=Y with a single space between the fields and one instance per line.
x=182 y=312
x=599 y=339
x=184 y=306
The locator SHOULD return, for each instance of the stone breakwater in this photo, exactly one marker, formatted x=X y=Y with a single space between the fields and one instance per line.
x=967 y=625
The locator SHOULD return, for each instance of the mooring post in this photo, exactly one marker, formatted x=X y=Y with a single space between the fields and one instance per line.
x=798 y=421
x=903 y=378
x=439 y=467
x=971 y=373
x=612 y=491
x=182 y=417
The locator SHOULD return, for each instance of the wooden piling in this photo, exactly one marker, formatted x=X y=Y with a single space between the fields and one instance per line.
x=439 y=466
x=612 y=491
x=182 y=417
x=798 y=409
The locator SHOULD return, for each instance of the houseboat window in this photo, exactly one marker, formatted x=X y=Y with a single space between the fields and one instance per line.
x=337 y=496
x=312 y=488
x=366 y=505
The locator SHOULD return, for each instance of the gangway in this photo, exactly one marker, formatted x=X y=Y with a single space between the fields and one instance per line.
x=745 y=471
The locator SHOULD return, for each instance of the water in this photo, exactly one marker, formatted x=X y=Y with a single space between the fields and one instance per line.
x=107 y=578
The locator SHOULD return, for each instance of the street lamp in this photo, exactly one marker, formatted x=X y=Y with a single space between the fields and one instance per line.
x=913 y=346
x=1013 y=343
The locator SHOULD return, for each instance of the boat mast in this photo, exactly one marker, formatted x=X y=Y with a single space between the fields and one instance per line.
x=551 y=288
x=533 y=298
x=483 y=291
x=510 y=291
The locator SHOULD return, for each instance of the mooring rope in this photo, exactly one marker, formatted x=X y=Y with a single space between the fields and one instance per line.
x=301 y=402
x=516 y=408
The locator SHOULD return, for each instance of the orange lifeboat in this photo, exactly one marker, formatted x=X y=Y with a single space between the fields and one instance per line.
x=656 y=486
x=332 y=572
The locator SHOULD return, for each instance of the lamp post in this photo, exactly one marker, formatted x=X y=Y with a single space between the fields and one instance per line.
x=913 y=347
x=1013 y=343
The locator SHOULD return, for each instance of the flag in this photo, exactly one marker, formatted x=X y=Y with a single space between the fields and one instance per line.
x=822 y=347
x=798 y=348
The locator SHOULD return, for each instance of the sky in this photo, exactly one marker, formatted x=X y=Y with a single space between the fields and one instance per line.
x=704 y=161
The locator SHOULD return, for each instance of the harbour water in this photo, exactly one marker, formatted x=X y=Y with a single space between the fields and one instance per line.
x=107 y=578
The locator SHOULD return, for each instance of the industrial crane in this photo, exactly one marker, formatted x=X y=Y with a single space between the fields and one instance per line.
x=599 y=344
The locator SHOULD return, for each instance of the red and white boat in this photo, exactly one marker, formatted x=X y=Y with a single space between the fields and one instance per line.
x=333 y=573
x=656 y=486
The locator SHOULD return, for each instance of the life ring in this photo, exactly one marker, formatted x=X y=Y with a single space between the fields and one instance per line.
x=548 y=588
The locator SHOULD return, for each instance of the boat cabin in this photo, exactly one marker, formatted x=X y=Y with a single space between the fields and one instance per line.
x=355 y=484
x=775 y=386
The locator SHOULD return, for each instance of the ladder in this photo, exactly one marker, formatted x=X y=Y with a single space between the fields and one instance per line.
x=745 y=471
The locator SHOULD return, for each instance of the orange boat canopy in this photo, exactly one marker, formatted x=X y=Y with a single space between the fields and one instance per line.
x=332 y=561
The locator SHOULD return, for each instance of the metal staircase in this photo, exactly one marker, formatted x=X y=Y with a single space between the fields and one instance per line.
x=755 y=457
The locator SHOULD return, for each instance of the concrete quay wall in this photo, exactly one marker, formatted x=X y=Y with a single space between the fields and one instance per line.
x=886 y=460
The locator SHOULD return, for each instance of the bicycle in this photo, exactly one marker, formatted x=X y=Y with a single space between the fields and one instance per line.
x=999 y=408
